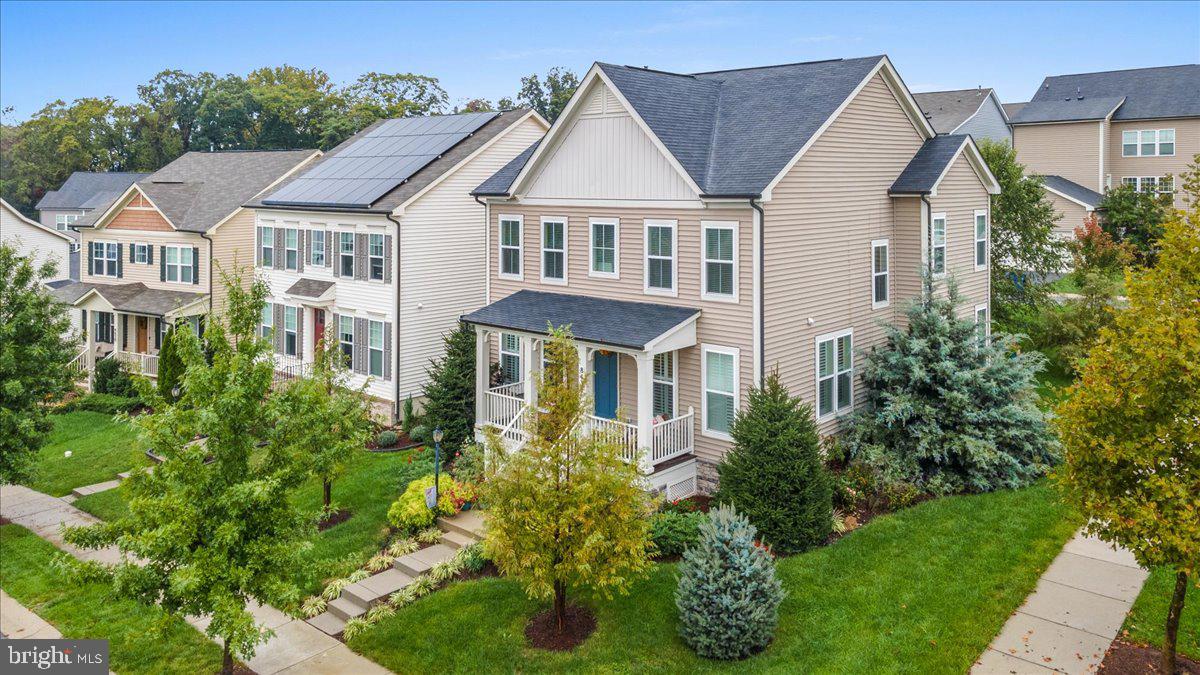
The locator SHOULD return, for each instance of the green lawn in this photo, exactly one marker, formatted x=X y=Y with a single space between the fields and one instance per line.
x=922 y=590
x=100 y=446
x=88 y=611
x=1147 y=621
x=371 y=483
x=1052 y=381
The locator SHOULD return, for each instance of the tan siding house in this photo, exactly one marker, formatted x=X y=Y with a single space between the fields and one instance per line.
x=150 y=255
x=1091 y=132
x=735 y=252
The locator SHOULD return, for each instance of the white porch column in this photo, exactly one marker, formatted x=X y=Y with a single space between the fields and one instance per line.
x=89 y=360
x=527 y=371
x=584 y=353
x=645 y=408
x=118 y=331
x=482 y=358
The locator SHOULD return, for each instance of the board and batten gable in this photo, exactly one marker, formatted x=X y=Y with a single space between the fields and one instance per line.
x=1070 y=150
x=818 y=232
x=360 y=298
x=443 y=254
x=605 y=154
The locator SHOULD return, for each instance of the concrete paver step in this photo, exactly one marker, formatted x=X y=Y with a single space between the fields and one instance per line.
x=360 y=594
x=385 y=583
x=455 y=539
x=469 y=523
x=328 y=623
x=86 y=490
x=419 y=562
x=346 y=608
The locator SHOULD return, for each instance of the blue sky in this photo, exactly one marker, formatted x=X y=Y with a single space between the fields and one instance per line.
x=70 y=50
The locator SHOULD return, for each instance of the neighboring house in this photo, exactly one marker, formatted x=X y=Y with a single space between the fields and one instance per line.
x=1097 y=130
x=696 y=231
x=977 y=112
x=33 y=239
x=153 y=254
x=380 y=242
x=82 y=193
x=1011 y=109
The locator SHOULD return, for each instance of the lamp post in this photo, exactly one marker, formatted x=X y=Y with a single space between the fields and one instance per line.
x=437 y=461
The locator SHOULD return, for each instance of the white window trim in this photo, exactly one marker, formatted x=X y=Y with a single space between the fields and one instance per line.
x=342 y=342
x=295 y=332
x=737 y=387
x=1159 y=181
x=265 y=328
x=382 y=257
x=353 y=253
x=116 y=261
x=520 y=220
x=288 y=249
x=143 y=248
x=987 y=330
x=1157 y=142
x=382 y=349
x=179 y=257
x=542 y=250
x=517 y=354
x=817 y=374
x=616 y=225
x=646 y=288
x=887 y=259
x=266 y=240
x=987 y=239
x=705 y=226
x=312 y=249
x=945 y=244
x=654 y=378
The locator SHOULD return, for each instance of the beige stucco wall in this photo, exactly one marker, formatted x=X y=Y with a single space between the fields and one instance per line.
x=1187 y=145
x=1070 y=150
x=721 y=323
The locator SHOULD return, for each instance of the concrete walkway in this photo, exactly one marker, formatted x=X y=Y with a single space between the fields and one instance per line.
x=18 y=623
x=296 y=646
x=1071 y=618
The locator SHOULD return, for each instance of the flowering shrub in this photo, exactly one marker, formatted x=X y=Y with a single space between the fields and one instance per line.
x=452 y=498
x=1095 y=249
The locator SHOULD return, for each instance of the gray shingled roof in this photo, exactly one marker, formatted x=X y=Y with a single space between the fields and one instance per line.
x=88 y=190
x=617 y=323
x=733 y=131
x=501 y=182
x=1073 y=190
x=1067 y=110
x=947 y=110
x=1011 y=109
x=309 y=288
x=134 y=297
x=418 y=181
x=1149 y=93
x=922 y=173
x=200 y=189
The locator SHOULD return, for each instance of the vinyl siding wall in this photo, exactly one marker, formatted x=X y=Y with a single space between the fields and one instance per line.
x=908 y=252
x=1070 y=215
x=1187 y=144
x=145 y=273
x=232 y=250
x=819 y=227
x=721 y=323
x=374 y=300
x=1070 y=150
x=41 y=246
x=443 y=256
x=987 y=123
x=959 y=195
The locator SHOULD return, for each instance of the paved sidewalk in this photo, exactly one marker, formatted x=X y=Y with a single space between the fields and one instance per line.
x=1071 y=618
x=296 y=646
x=18 y=623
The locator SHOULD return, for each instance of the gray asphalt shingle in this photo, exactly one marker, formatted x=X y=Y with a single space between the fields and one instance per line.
x=133 y=297
x=947 y=110
x=1149 y=93
x=618 y=323
x=922 y=173
x=88 y=190
x=1073 y=190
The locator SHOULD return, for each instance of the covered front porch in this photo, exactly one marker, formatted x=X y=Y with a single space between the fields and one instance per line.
x=127 y=322
x=630 y=353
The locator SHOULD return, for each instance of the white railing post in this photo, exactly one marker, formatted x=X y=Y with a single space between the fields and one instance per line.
x=645 y=410
x=482 y=366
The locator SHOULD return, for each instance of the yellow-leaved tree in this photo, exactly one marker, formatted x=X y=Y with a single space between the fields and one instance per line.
x=1131 y=424
x=566 y=512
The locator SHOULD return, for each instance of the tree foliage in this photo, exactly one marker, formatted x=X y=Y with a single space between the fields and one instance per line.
x=728 y=595
x=1129 y=424
x=548 y=94
x=450 y=390
x=1136 y=218
x=948 y=408
x=214 y=526
x=170 y=367
x=566 y=512
x=35 y=349
x=1024 y=249
x=774 y=474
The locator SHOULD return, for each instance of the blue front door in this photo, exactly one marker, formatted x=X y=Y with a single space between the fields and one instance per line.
x=605 y=382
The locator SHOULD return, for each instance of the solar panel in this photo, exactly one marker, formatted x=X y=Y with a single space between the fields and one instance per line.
x=378 y=161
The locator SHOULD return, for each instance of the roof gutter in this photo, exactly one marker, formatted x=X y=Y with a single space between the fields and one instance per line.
x=396 y=328
x=204 y=235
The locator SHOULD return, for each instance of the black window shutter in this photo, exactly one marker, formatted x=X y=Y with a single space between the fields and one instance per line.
x=124 y=331
x=149 y=254
x=195 y=265
x=157 y=332
x=132 y=248
x=120 y=260
x=387 y=258
x=162 y=263
x=91 y=258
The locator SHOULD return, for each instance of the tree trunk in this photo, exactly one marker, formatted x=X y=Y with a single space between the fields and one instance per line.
x=328 y=484
x=560 y=605
x=1168 y=652
x=226 y=660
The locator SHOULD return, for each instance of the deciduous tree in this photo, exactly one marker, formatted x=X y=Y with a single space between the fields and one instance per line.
x=549 y=94
x=1129 y=424
x=1136 y=218
x=566 y=512
x=35 y=349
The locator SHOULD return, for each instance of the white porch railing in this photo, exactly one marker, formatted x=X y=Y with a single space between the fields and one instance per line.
x=623 y=434
x=78 y=365
x=141 y=364
x=673 y=437
x=514 y=434
x=290 y=370
x=502 y=404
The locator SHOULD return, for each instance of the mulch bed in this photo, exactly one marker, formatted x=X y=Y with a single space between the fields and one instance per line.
x=1124 y=658
x=243 y=669
x=5 y=521
x=542 y=630
x=403 y=442
x=336 y=518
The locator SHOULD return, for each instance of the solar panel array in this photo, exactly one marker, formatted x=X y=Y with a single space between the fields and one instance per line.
x=378 y=161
